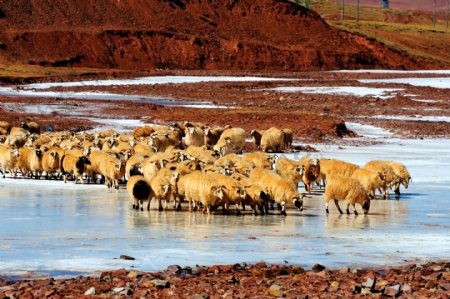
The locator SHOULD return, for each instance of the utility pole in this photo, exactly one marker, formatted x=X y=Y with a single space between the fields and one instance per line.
x=357 y=11
x=434 y=13
x=342 y=10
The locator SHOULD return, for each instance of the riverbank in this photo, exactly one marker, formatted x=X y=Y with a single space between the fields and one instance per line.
x=245 y=281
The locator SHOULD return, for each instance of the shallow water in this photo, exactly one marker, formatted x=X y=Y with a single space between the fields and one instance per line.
x=52 y=226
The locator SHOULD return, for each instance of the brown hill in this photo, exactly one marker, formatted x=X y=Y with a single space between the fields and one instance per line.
x=182 y=34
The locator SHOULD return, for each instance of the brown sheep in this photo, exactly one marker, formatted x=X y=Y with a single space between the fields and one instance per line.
x=51 y=161
x=113 y=170
x=272 y=140
x=31 y=127
x=311 y=172
x=75 y=166
x=256 y=136
x=212 y=136
x=8 y=158
x=139 y=191
x=392 y=180
x=335 y=167
x=370 y=180
x=233 y=192
x=200 y=187
x=194 y=136
x=6 y=126
x=288 y=139
x=143 y=132
x=164 y=185
x=278 y=189
x=401 y=172
x=290 y=170
x=17 y=137
x=345 y=188
x=260 y=159
x=30 y=162
x=231 y=140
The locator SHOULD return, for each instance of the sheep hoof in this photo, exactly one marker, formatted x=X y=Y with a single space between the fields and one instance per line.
x=238 y=213
x=142 y=209
x=348 y=212
x=134 y=207
x=160 y=209
x=283 y=213
x=326 y=210
x=356 y=213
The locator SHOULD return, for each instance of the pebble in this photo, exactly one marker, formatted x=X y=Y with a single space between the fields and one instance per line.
x=118 y=290
x=392 y=291
x=91 y=291
x=276 y=290
x=126 y=257
x=159 y=283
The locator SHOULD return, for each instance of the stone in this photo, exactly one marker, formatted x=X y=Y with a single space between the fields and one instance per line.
x=90 y=291
x=233 y=279
x=133 y=274
x=160 y=283
x=2 y=295
x=126 y=257
x=344 y=270
x=369 y=283
x=318 y=268
x=173 y=270
x=430 y=284
x=119 y=273
x=406 y=289
x=260 y=265
x=335 y=284
x=118 y=290
x=226 y=268
x=276 y=290
x=444 y=285
x=392 y=291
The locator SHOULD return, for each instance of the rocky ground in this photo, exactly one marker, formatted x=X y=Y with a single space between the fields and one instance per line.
x=431 y=280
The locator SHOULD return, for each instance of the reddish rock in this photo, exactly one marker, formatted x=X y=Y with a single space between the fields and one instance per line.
x=225 y=268
x=119 y=273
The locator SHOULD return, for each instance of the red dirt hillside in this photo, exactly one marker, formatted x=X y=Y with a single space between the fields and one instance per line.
x=182 y=34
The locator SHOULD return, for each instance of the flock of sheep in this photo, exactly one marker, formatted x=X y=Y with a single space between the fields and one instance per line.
x=193 y=163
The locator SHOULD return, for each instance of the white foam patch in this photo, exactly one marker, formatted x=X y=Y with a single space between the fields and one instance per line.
x=382 y=93
x=443 y=82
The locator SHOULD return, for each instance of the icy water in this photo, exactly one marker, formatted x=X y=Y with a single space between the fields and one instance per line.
x=52 y=228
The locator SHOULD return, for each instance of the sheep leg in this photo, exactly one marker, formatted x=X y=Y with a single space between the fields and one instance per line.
x=148 y=204
x=238 y=212
x=283 y=210
x=65 y=178
x=326 y=207
x=336 y=202
x=348 y=208
x=354 y=209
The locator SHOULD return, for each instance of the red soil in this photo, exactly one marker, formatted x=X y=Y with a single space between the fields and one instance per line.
x=180 y=34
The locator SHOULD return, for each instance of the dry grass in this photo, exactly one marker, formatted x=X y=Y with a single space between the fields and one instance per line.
x=404 y=31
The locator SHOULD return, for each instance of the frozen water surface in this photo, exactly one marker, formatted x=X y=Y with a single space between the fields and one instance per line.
x=383 y=93
x=155 y=80
x=443 y=82
x=427 y=72
x=52 y=227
